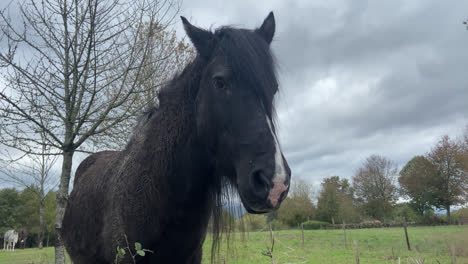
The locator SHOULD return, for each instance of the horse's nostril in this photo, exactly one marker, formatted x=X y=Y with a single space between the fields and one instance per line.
x=283 y=195
x=260 y=181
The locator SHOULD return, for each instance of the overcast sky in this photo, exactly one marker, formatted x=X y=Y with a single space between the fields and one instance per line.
x=359 y=77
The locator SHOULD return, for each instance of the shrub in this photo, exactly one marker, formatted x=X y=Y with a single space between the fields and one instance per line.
x=314 y=224
x=404 y=211
x=432 y=220
x=253 y=222
x=462 y=212
x=278 y=225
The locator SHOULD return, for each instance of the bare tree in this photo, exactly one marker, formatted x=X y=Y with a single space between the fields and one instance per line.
x=451 y=178
x=298 y=206
x=463 y=141
x=75 y=70
x=33 y=171
x=168 y=55
x=374 y=185
x=301 y=188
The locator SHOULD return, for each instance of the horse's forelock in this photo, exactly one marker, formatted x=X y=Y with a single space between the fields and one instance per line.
x=250 y=60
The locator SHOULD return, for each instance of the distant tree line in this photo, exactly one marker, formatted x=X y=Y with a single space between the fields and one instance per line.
x=437 y=180
x=20 y=210
x=379 y=191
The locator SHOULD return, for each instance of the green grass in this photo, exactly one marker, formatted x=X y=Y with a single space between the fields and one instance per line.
x=430 y=244
x=45 y=255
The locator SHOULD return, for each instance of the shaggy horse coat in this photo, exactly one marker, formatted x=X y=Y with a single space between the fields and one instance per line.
x=213 y=130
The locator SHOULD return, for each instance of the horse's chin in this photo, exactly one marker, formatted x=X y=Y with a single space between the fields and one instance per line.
x=257 y=211
x=254 y=208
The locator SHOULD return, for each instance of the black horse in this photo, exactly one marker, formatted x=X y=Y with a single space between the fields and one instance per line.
x=212 y=131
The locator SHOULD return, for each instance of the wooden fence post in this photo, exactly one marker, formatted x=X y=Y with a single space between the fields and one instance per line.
x=344 y=231
x=356 y=251
x=406 y=235
x=302 y=230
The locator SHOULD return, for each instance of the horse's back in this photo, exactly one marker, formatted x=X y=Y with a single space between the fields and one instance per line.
x=90 y=194
x=95 y=162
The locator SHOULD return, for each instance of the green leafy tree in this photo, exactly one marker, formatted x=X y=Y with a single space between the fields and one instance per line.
x=28 y=214
x=9 y=205
x=405 y=212
x=416 y=183
x=451 y=178
x=335 y=201
x=374 y=185
x=50 y=208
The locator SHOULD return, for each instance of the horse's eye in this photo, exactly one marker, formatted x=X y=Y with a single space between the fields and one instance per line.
x=219 y=83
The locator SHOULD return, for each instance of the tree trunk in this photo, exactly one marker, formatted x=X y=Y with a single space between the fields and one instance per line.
x=448 y=213
x=41 y=221
x=62 y=197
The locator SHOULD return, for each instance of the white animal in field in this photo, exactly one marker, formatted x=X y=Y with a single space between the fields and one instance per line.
x=10 y=239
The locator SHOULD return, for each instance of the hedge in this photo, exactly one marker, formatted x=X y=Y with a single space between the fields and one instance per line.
x=314 y=224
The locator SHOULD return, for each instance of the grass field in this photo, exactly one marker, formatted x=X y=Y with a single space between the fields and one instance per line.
x=442 y=244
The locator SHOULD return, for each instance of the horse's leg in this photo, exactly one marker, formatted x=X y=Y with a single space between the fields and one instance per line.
x=14 y=246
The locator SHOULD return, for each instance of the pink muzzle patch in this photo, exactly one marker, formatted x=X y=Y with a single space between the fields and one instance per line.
x=276 y=192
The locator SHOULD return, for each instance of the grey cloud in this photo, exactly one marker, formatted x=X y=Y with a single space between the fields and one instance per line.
x=400 y=82
x=358 y=77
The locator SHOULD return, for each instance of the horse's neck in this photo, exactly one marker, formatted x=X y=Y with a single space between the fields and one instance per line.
x=167 y=146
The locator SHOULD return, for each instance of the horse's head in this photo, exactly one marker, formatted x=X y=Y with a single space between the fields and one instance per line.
x=234 y=111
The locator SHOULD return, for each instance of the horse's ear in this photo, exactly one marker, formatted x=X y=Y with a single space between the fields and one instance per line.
x=201 y=39
x=267 y=29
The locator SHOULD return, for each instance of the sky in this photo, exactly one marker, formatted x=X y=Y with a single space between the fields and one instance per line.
x=358 y=77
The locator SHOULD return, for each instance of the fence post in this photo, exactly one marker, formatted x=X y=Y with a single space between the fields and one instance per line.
x=406 y=235
x=344 y=231
x=356 y=251
x=302 y=230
